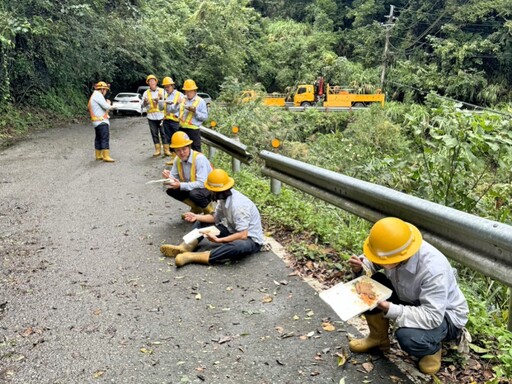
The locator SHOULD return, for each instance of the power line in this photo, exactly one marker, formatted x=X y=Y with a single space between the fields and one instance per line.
x=450 y=99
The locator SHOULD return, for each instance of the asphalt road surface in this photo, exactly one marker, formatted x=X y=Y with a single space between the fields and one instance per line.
x=86 y=297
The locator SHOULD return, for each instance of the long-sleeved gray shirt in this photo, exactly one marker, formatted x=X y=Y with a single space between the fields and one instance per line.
x=203 y=169
x=426 y=281
x=99 y=107
x=238 y=213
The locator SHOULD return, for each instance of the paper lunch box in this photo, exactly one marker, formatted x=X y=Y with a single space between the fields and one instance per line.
x=347 y=303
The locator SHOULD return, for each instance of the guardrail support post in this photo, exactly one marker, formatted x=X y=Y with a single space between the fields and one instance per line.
x=235 y=165
x=275 y=186
x=211 y=152
x=509 y=326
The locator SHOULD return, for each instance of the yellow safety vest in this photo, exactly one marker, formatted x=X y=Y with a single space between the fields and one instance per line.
x=192 y=168
x=152 y=109
x=186 y=122
x=93 y=116
x=170 y=115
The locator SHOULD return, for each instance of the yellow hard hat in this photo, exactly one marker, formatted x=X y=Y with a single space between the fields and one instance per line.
x=189 y=85
x=218 y=181
x=101 y=85
x=391 y=241
x=167 y=81
x=151 y=77
x=180 y=139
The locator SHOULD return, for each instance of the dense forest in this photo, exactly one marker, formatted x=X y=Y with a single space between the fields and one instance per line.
x=52 y=52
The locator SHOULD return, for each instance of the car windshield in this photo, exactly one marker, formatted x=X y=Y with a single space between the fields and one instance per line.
x=126 y=95
x=204 y=95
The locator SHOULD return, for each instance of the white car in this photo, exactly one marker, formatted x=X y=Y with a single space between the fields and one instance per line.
x=128 y=102
x=206 y=97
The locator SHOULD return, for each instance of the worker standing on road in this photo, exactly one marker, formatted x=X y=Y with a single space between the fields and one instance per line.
x=427 y=305
x=98 y=109
x=188 y=174
x=237 y=219
x=171 y=123
x=192 y=113
x=152 y=98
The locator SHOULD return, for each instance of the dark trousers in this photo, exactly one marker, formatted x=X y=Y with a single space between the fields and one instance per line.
x=170 y=128
x=102 y=138
x=199 y=196
x=415 y=341
x=195 y=136
x=155 y=127
x=233 y=250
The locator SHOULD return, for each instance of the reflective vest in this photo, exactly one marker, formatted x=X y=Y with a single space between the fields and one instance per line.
x=152 y=108
x=93 y=116
x=192 y=168
x=187 y=121
x=170 y=115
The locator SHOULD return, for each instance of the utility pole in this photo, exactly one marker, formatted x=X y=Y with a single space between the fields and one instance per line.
x=388 y=25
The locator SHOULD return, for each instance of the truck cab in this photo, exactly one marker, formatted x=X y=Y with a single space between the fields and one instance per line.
x=305 y=96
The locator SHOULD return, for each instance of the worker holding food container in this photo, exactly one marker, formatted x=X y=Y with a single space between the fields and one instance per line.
x=188 y=174
x=235 y=226
x=427 y=305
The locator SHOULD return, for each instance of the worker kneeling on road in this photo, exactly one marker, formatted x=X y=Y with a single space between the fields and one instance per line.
x=237 y=219
x=188 y=174
x=427 y=305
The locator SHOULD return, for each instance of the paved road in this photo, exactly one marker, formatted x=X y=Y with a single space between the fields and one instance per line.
x=85 y=296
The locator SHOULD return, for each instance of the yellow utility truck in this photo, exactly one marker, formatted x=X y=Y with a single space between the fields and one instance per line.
x=307 y=95
x=270 y=99
x=334 y=97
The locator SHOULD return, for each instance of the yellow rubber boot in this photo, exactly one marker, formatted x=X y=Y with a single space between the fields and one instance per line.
x=157 y=152
x=167 y=151
x=378 y=337
x=173 y=250
x=106 y=156
x=171 y=161
x=431 y=364
x=192 y=257
x=193 y=206
x=99 y=154
x=209 y=209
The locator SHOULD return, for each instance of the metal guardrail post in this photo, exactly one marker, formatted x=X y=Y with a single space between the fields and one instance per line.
x=275 y=186
x=211 y=152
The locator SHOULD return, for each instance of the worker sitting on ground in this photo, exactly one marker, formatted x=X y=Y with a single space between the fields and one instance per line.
x=188 y=174
x=427 y=305
x=237 y=219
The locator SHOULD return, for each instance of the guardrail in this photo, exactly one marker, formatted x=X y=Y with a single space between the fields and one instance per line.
x=480 y=244
x=232 y=147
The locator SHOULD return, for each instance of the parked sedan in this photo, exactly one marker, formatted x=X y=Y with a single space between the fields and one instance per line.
x=128 y=102
x=206 y=97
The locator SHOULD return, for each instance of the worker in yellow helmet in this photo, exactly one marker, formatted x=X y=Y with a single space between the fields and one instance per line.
x=236 y=218
x=153 y=101
x=171 y=124
x=98 y=109
x=427 y=305
x=192 y=113
x=188 y=174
